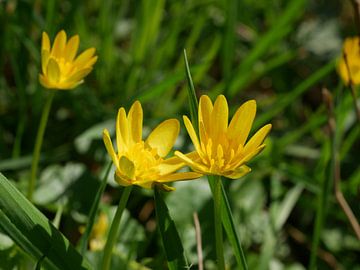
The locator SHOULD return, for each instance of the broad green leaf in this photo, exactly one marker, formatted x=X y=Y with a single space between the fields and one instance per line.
x=33 y=232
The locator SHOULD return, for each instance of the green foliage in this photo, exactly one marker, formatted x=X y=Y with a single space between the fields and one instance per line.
x=280 y=53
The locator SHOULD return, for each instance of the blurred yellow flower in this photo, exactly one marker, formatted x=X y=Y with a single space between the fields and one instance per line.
x=141 y=162
x=60 y=68
x=350 y=61
x=223 y=149
x=98 y=234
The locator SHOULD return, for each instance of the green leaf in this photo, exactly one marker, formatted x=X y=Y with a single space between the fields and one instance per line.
x=193 y=102
x=34 y=233
x=173 y=248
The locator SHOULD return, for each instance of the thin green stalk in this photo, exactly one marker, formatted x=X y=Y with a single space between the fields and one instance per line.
x=114 y=229
x=38 y=143
x=218 y=224
x=93 y=211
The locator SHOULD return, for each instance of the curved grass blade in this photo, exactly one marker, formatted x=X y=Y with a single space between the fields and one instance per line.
x=193 y=102
x=34 y=233
x=173 y=248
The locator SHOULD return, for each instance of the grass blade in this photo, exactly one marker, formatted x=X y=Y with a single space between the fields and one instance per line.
x=288 y=99
x=193 y=102
x=229 y=225
x=173 y=248
x=33 y=232
x=93 y=211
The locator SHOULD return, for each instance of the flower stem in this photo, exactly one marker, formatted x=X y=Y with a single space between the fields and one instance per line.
x=114 y=229
x=218 y=225
x=38 y=143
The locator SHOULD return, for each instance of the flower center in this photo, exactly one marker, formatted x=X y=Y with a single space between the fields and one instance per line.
x=145 y=160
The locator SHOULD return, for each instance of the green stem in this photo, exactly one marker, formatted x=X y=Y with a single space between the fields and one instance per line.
x=38 y=143
x=218 y=225
x=93 y=211
x=114 y=229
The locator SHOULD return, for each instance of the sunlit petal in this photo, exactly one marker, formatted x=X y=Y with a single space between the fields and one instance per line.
x=59 y=44
x=163 y=137
x=135 y=120
x=219 y=117
x=72 y=48
x=239 y=172
x=241 y=123
x=109 y=147
x=205 y=110
x=257 y=139
x=45 y=42
x=84 y=57
x=53 y=71
x=127 y=167
x=190 y=129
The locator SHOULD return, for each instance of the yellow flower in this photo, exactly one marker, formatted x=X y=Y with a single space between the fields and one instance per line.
x=351 y=50
x=60 y=68
x=141 y=162
x=223 y=149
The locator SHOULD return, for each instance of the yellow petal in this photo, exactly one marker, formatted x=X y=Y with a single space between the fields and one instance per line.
x=44 y=60
x=179 y=176
x=219 y=118
x=68 y=85
x=59 y=45
x=239 y=172
x=91 y=62
x=241 y=123
x=191 y=160
x=135 y=120
x=190 y=129
x=163 y=137
x=121 y=179
x=205 y=110
x=170 y=165
x=122 y=129
x=257 y=139
x=119 y=139
x=44 y=82
x=127 y=167
x=252 y=154
x=53 y=71
x=84 y=57
x=109 y=147
x=71 y=48
x=79 y=75
x=45 y=42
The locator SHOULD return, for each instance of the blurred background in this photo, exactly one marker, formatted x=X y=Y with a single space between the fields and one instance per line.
x=279 y=52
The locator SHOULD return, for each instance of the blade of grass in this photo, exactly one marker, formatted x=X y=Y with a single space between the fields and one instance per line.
x=229 y=226
x=33 y=232
x=193 y=102
x=280 y=29
x=173 y=247
x=93 y=211
x=288 y=99
x=228 y=47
